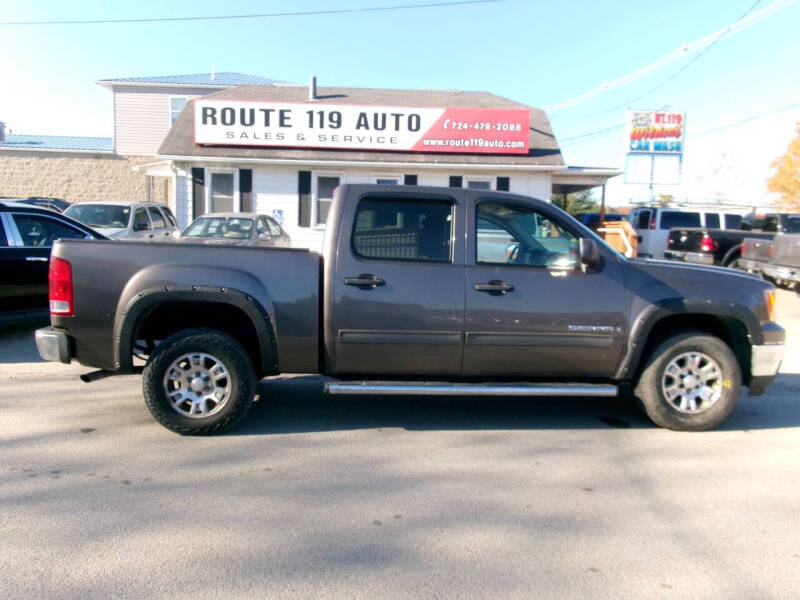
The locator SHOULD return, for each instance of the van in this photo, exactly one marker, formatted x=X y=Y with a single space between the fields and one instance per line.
x=652 y=225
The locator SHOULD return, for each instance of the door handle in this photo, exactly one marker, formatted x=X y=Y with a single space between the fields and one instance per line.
x=151 y=235
x=495 y=287
x=364 y=281
x=36 y=258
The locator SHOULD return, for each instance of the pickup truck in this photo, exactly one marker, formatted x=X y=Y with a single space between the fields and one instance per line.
x=723 y=246
x=417 y=291
x=777 y=260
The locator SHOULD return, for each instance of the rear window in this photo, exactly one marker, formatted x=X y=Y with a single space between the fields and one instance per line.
x=413 y=230
x=673 y=218
x=100 y=215
x=712 y=220
x=792 y=224
x=733 y=221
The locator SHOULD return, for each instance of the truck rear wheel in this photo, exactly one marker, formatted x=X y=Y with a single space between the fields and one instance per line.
x=199 y=381
x=691 y=382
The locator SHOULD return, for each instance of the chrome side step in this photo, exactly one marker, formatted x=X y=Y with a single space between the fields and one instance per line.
x=390 y=388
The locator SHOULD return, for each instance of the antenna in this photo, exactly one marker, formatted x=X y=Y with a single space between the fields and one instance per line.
x=212 y=70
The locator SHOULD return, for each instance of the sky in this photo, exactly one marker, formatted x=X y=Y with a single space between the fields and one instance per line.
x=536 y=52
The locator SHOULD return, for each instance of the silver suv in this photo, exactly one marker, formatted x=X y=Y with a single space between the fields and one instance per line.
x=140 y=221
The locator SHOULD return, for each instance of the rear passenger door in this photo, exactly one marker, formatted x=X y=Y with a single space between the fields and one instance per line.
x=398 y=286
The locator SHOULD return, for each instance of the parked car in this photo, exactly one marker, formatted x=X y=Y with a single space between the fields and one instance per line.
x=724 y=246
x=236 y=228
x=652 y=225
x=129 y=221
x=400 y=298
x=56 y=204
x=777 y=260
x=27 y=234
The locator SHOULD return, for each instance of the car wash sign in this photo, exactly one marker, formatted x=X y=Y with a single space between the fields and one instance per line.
x=655 y=132
x=356 y=127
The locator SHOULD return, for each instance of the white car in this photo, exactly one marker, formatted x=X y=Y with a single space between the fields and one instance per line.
x=132 y=221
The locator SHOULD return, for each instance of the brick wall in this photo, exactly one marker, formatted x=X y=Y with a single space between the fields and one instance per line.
x=79 y=177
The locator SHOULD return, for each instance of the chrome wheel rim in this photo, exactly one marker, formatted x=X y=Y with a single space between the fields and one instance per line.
x=692 y=382
x=197 y=385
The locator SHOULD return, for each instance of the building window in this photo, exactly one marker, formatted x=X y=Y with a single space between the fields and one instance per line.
x=386 y=179
x=175 y=107
x=478 y=183
x=324 y=184
x=222 y=193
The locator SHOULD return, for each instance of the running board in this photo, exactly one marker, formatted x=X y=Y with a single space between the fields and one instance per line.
x=389 y=388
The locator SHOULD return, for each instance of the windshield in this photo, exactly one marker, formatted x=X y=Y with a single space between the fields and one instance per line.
x=222 y=227
x=100 y=215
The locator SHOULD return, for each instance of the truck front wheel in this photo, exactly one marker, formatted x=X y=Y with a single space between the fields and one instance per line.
x=691 y=382
x=199 y=381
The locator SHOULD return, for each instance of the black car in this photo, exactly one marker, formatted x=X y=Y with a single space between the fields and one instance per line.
x=27 y=234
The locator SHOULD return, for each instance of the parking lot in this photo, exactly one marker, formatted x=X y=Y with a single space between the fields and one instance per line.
x=354 y=497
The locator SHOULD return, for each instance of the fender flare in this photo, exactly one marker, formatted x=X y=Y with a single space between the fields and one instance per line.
x=129 y=317
x=652 y=315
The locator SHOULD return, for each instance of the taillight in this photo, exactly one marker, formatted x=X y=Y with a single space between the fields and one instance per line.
x=60 y=279
x=653 y=222
x=771 y=250
x=741 y=249
x=707 y=244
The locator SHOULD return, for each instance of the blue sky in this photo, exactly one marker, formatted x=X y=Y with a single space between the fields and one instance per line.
x=536 y=52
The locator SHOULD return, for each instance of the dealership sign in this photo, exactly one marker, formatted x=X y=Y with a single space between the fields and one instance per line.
x=357 y=127
x=655 y=132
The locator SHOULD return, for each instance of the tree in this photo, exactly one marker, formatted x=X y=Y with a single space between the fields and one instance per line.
x=578 y=203
x=665 y=199
x=786 y=180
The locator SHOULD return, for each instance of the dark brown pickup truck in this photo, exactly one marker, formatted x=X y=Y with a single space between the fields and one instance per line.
x=418 y=290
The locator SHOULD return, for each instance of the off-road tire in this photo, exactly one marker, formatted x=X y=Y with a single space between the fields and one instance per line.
x=649 y=393
x=222 y=347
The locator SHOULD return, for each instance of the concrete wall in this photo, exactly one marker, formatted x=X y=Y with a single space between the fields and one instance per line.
x=78 y=177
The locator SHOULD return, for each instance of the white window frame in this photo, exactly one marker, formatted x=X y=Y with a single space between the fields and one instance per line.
x=237 y=199
x=315 y=175
x=395 y=176
x=492 y=181
x=169 y=108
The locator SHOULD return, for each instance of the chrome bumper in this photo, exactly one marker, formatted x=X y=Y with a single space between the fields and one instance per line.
x=692 y=257
x=53 y=345
x=766 y=359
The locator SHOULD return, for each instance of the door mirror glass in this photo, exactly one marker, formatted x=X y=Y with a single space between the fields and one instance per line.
x=590 y=253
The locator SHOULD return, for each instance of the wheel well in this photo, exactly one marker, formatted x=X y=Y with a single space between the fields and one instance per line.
x=730 y=331
x=171 y=317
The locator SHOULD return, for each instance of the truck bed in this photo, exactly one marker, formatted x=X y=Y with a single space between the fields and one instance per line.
x=112 y=277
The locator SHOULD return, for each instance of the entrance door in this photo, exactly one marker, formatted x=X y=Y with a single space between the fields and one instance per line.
x=530 y=310
x=398 y=296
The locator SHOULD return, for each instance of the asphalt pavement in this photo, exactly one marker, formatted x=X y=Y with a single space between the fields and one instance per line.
x=354 y=497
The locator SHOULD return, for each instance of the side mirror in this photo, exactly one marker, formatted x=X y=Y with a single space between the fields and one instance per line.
x=590 y=254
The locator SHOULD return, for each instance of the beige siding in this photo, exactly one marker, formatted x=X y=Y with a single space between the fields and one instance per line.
x=141 y=117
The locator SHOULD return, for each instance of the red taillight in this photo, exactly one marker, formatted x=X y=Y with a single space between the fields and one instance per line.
x=653 y=222
x=707 y=244
x=771 y=250
x=60 y=278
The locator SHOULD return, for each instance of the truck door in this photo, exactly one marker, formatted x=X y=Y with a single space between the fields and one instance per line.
x=530 y=309
x=398 y=290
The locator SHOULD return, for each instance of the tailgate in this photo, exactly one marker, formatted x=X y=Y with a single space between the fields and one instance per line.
x=755 y=249
x=681 y=240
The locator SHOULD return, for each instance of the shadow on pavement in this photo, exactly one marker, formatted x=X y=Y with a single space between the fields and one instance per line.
x=297 y=405
x=16 y=341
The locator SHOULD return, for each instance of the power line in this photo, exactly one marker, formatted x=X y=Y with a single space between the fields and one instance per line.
x=674 y=75
x=688 y=135
x=336 y=11
x=685 y=49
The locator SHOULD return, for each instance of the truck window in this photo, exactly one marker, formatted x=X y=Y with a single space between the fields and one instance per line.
x=391 y=229
x=38 y=231
x=712 y=220
x=140 y=222
x=792 y=224
x=674 y=218
x=156 y=218
x=733 y=221
x=770 y=223
x=642 y=220
x=510 y=234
